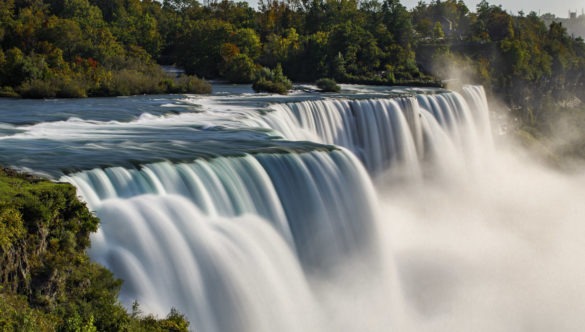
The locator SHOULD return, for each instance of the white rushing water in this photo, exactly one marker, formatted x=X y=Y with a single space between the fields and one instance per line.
x=263 y=242
x=409 y=221
x=221 y=239
x=394 y=134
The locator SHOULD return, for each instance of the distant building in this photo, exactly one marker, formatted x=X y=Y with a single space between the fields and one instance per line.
x=575 y=24
x=447 y=26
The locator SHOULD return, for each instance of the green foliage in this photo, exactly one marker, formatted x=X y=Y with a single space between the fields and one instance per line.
x=56 y=85
x=175 y=322
x=272 y=81
x=37 y=89
x=47 y=282
x=190 y=84
x=17 y=315
x=311 y=61
x=77 y=48
x=131 y=82
x=70 y=88
x=8 y=92
x=327 y=85
x=438 y=32
x=398 y=22
x=248 y=42
x=530 y=66
x=278 y=48
x=452 y=16
x=358 y=48
x=201 y=47
x=240 y=69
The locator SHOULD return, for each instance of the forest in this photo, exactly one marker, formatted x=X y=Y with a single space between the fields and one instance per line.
x=78 y=48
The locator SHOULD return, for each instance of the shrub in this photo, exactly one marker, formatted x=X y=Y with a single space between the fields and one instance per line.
x=327 y=85
x=8 y=92
x=265 y=85
x=37 y=89
x=272 y=81
x=17 y=315
x=191 y=84
x=58 y=87
x=128 y=82
x=68 y=88
x=47 y=281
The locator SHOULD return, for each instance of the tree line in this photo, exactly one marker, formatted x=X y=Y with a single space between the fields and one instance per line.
x=72 y=48
x=531 y=66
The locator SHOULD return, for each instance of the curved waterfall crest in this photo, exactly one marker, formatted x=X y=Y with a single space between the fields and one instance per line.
x=221 y=238
x=198 y=236
x=387 y=133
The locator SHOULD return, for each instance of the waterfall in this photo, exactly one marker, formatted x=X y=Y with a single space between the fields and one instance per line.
x=383 y=210
x=216 y=238
x=248 y=240
x=396 y=133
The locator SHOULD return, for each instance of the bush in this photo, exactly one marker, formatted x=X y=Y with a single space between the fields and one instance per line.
x=68 y=88
x=272 y=81
x=17 y=315
x=327 y=85
x=127 y=82
x=37 y=89
x=47 y=281
x=191 y=84
x=8 y=92
x=57 y=87
x=269 y=86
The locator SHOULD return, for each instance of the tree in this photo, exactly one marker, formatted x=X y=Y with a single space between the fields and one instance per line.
x=494 y=21
x=438 y=32
x=357 y=47
x=239 y=69
x=278 y=48
x=239 y=14
x=248 y=42
x=201 y=46
x=398 y=22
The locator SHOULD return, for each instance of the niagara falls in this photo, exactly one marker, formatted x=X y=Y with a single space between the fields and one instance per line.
x=292 y=166
x=374 y=209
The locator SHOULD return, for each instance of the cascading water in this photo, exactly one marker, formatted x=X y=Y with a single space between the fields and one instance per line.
x=239 y=243
x=393 y=133
x=260 y=220
x=222 y=234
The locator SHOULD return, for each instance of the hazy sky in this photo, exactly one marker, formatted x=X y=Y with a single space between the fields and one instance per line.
x=558 y=7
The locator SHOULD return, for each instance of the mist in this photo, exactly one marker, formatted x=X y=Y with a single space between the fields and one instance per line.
x=491 y=246
x=496 y=250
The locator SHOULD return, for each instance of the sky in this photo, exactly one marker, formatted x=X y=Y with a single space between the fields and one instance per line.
x=558 y=7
